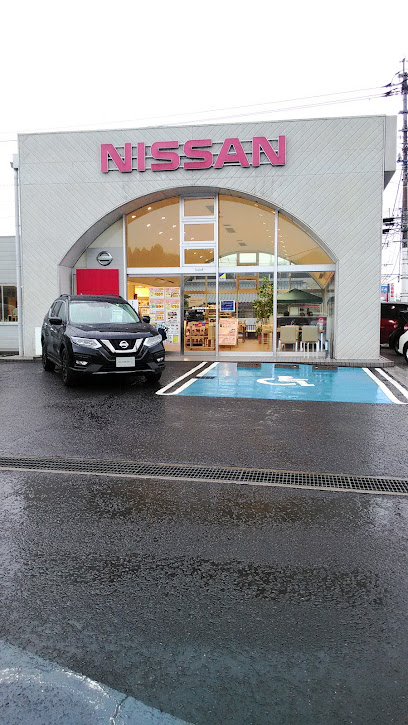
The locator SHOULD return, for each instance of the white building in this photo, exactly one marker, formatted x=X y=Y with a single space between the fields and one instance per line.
x=195 y=217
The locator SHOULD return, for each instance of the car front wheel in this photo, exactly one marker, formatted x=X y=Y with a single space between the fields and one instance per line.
x=46 y=363
x=406 y=354
x=68 y=377
x=153 y=377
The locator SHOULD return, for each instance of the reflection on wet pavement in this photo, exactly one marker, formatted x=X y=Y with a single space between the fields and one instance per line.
x=214 y=603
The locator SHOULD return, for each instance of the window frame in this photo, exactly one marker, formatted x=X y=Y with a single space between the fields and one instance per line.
x=2 y=320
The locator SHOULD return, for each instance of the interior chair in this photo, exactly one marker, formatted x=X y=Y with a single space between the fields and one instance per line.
x=266 y=332
x=288 y=336
x=310 y=336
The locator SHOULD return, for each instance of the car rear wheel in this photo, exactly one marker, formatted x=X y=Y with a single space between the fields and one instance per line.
x=406 y=353
x=46 y=363
x=68 y=377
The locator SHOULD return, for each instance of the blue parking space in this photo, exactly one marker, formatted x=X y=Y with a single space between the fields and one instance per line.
x=267 y=381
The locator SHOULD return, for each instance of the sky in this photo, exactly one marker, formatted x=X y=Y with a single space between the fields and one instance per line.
x=84 y=65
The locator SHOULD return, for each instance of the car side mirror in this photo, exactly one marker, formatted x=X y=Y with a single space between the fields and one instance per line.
x=55 y=320
x=146 y=318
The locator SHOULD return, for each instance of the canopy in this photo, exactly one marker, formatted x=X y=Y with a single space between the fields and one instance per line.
x=299 y=295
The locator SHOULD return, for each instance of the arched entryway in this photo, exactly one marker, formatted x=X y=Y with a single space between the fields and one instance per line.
x=223 y=272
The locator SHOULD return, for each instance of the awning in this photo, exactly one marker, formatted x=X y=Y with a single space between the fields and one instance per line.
x=299 y=295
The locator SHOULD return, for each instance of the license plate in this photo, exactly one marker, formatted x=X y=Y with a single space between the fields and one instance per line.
x=125 y=362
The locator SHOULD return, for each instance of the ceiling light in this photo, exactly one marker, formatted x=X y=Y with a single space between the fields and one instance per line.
x=171 y=239
x=163 y=217
x=149 y=207
x=174 y=226
x=133 y=216
x=160 y=232
x=148 y=225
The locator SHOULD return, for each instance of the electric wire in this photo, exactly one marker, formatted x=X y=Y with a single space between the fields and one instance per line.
x=228 y=108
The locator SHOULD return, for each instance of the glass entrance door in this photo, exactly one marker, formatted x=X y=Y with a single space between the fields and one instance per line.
x=200 y=313
x=159 y=298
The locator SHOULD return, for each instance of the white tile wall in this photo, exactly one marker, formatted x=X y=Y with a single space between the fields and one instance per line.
x=332 y=183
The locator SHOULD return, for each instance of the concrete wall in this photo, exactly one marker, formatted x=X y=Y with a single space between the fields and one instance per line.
x=332 y=183
x=8 y=331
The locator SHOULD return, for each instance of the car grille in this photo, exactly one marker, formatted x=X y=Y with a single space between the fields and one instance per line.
x=115 y=344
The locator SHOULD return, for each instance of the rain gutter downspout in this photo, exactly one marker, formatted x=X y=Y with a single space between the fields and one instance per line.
x=15 y=165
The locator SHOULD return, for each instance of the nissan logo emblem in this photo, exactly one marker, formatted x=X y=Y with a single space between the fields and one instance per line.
x=123 y=343
x=104 y=258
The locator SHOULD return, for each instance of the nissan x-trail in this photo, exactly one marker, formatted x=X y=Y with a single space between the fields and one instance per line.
x=99 y=335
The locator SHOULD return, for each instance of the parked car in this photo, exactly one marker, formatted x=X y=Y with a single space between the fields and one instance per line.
x=399 y=330
x=403 y=345
x=99 y=335
x=389 y=319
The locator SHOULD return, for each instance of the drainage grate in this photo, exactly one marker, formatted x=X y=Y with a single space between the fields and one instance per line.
x=186 y=472
x=248 y=365
x=286 y=366
x=325 y=367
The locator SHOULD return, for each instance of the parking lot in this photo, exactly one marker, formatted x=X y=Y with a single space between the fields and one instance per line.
x=211 y=601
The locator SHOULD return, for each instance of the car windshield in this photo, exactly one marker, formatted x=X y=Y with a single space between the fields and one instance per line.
x=102 y=313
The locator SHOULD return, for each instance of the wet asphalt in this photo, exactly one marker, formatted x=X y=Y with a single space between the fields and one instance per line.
x=219 y=604
x=112 y=419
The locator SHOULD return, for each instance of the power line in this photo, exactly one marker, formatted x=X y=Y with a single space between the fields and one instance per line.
x=216 y=110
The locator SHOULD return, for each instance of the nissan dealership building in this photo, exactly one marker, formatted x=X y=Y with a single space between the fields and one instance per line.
x=196 y=225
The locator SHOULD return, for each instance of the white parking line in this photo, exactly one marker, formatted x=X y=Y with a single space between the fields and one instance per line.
x=183 y=387
x=394 y=382
x=162 y=391
x=204 y=372
x=383 y=387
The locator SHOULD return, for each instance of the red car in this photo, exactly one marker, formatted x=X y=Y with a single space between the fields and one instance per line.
x=389 y=319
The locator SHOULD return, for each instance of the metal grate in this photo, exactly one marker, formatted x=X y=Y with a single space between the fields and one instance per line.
x=186 y=472
x=248 y=365
x=286 y=366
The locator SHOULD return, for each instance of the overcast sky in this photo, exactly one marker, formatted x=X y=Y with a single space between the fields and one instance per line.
x=83 y=65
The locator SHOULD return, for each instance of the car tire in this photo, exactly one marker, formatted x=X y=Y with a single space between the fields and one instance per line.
x=153 y=377
x=46 y=363
x=406 y=353
x=68 y=377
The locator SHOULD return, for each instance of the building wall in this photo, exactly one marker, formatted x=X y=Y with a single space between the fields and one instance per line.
x=332 y=183
x=8 y=332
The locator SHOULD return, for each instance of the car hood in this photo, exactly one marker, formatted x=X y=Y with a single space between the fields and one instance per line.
x=135 y=329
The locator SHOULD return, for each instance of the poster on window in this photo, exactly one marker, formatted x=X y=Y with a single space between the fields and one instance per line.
x=228 y=332
x=156 y=292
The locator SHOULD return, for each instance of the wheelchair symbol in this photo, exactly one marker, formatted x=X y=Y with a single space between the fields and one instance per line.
x=286 y=380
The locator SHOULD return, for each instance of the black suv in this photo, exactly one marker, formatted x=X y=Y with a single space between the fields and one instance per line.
x=99 y=334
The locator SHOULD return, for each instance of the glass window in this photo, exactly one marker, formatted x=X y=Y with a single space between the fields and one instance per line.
x=198 y=207
x=199 y=256
x=246 y=230
x=306 y=302
x=159 y=298
x=56 y=309
x=297 y=247
x=199 y=232
x=8 y=303
x=102 y=313
x=153 y=235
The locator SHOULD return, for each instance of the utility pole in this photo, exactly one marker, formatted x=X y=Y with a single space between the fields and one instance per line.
x=404 y=212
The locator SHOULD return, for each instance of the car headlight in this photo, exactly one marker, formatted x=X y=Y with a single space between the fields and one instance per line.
x=86 y=342
x=152 y=341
